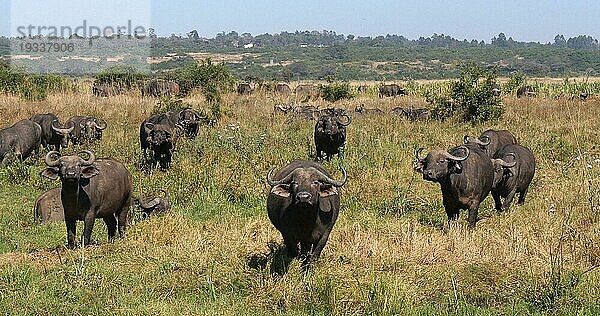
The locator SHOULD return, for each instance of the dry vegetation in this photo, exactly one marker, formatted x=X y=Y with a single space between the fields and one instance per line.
x=389 y=253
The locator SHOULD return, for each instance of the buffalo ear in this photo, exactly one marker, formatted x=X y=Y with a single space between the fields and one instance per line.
x=325 y=198
x=50 y=173
x=281 y=190
x=455 y=167
x=89 y=172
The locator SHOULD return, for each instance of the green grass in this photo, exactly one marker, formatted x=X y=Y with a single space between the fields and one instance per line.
x=217 y=253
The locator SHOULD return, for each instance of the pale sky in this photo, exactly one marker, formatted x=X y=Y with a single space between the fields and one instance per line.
x=524 y=20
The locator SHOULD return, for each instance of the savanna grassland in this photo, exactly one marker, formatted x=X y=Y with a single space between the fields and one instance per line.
x=216 y=252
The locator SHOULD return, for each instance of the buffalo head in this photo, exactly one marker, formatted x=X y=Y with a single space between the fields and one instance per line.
x=307 y=187
x=63 y=133
x=332 y=125
x=503 y=168
x=70 y=169
x=158 y=134
x=92 y=128
x=439 y=163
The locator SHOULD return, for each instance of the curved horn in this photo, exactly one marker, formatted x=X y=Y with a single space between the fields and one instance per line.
x=62 y=130
x=506 y=164
x=52 y=163
x=102 y=125
x=451 y=157
x=148 y=127
x=273 y=183
x=345 y=124
x=326 y=179
x=468 y=139
x=418 y=152
x=90 y=160
x=485 y=140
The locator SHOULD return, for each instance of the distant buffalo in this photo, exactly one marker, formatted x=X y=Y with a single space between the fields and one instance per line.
x=525 y=91
x=244 y=89
x=307 y=90
x=413 y=115
x=391 y=90
x=303 y=205
x=54 y=136
x=362 y=110
x=160 y=139
x=48 y=207
x=154 y=205
x=20 y=140
x=91 y=189
x=491 y=141
x=87 y=129
x=160 y=88
x=514 y=168
x=465 y=175
x=282 y=88
x=106 y=89
x=330 y=135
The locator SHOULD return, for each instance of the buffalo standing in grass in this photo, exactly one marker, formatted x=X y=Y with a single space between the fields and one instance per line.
x=52 y=133
x=330 y=135
x=160 y=139
x=160 y=88
x=244 y=89
x=91 y=189
x=391 y=90
x=465 y=175
x=48 y=207
x=106 y=90
x=303 y=205
x=20 y=140
x=282 y=88
x=491 y=141
x=87 y=129
x=514 y=168
x=525 y=91
x=362 y=110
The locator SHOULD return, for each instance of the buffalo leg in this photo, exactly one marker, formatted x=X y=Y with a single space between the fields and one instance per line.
x=292 y=247
x=522 y=195
x=497 y=201
x=123 y=216
x=508 y=200
x=473 y=212
x=88 y=226
x=71 y=230
x=320 y=245
x=111 y=226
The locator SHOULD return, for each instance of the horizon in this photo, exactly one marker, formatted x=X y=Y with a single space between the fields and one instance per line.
x=468 y=19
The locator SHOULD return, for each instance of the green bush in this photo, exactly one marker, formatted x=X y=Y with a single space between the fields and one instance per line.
x=123 y=77
x=471 y=98
x=336 y=91
x=29 y=86
x=514 y=82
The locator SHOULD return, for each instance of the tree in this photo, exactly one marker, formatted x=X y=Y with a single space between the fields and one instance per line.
x=560 y=41
x=500 y=41
x=193 y=35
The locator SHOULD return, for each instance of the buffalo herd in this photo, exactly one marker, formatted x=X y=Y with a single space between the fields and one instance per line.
x=304 y=200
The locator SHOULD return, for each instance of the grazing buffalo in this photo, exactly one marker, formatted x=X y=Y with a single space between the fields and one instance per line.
x=303 y=205
x=412 y=115
x=362 y=110
x=154 y=205
x=188 y=121
x=160 y=88
x=514 y=168
x=91 y=189
x=160 y=140
x=465 y=174
x=48 y=207
x=244 y=89
x=307 y=90
x=525 y=91
x=87 y=129
x=52 y=133
x=491 y=141
x=309 y=112
x=282 y=88
x=391 y=90
x=105 y=90
x=330 y=135
x=20 y=140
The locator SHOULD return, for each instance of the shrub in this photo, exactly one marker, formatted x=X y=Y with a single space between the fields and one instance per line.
x=29 y=86
x=123 y=77
x=515 y=81
x=471 y=98
x=336 y=91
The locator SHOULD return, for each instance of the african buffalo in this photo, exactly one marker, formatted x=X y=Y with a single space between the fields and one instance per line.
x=491 y=141
x=48 y=207
x=412 y=115
x=362 y=110
x=188 y=121
x=391 y=90
x=514 y=168
x=87 y=129
x=465 y=174
x=91 y=189
x=20 y=140
x=160 y=139
x=330 y=135
x=282 y=88
x=160 y=88
x=307 y=90
x=303 y=205
x=244 y=89
x=525 y=91
x=154 y=205
x=106 y=89
x=52 y=133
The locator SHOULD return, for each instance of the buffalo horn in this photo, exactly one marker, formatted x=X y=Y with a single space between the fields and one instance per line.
x=90 y=160
x=52 y=162
x=451 y=157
